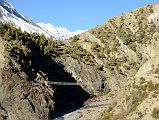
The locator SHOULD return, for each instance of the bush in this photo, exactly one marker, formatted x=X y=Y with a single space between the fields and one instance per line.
x=94 y=46
x=156 y=71
x=141 y=95
x=75 y=38
x=99 y=67
x=151 y=8
x=155 y=113
x=108 y=115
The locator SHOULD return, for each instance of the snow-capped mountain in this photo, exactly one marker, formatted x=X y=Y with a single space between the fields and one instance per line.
x=9 y=14
x=57 y=31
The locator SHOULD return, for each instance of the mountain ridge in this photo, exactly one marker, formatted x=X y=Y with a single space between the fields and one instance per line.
x=9 y=14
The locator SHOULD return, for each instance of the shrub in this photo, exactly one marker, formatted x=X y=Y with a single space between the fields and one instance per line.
x=99 y=66
x=142 y=79
x=109 y=113
x=94 y=46
x=155 y=113
x=141 y=95
x=75 y=38
x=151 y=8
x=154 y=95
x=156 y=71
x=127 y=98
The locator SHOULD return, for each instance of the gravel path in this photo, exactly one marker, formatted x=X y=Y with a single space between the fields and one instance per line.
x=93 y=110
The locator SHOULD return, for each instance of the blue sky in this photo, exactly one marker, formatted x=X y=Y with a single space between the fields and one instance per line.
x=75 y=14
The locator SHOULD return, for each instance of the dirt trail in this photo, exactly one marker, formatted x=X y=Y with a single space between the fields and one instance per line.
x=93 y=110
x=2 y=59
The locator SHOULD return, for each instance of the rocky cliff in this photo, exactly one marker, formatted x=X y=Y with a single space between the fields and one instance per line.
x=19 y=97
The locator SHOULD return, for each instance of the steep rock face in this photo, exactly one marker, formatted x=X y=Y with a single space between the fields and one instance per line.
x=20 y=98
x=87 y=76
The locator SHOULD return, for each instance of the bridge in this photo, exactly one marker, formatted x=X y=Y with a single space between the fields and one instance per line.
x=73 y=83
x=62 y=83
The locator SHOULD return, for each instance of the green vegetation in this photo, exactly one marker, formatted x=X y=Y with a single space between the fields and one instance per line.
x=142 y=80
x=156 y=71
x=127 y=98
x=75 y=38
x=118 y=36
x=120 y=30
x=19 y=41
x=155 y=113
x=112 y=35
x=109 y=113
x=99 y=66
x=141 y=10
x=154 y=95
x=141 y=95
x=150 y=86
x=22 y=43
x=75 y=51
x=150 y=8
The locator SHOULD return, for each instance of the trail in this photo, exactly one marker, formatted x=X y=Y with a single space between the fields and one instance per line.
x=93 y=109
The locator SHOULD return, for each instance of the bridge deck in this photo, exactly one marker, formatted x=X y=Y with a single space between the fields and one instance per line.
x=73 y=83
x=62 y=83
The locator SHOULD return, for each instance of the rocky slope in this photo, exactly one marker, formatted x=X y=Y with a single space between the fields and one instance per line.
x=20 y=98
x=125 y=50
x=131 y=57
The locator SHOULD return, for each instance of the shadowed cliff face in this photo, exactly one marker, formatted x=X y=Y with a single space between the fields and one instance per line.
x=22 y=92
x=39 y=68
x=20 y=98
x=65 y=97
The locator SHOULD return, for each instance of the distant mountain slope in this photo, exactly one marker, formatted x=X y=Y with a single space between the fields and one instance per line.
x=57 y=31
x=9 y=14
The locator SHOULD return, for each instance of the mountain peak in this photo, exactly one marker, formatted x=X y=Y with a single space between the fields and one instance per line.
x=60 y=33
x=5 y=3
x=9 y=14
